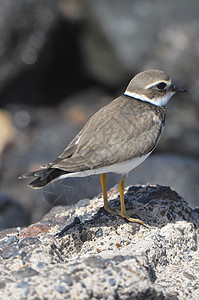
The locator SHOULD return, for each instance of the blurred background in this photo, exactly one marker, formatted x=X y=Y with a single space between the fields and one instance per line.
x=60 y=61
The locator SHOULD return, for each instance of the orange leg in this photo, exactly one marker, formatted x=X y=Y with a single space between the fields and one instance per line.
x=103 y=179
x=124 y=213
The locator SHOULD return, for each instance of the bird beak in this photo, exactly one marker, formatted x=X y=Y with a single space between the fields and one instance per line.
x=177 y=89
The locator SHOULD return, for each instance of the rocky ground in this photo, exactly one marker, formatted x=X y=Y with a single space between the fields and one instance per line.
x=102 y=256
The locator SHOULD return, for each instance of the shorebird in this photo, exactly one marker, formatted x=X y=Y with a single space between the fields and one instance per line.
x=117 y=138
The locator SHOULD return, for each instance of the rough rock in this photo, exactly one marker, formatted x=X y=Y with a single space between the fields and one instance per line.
x=102 y=256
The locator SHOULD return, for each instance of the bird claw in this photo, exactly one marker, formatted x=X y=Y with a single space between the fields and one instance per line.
x=128 y=217
x=111 y=210
x=125 y=215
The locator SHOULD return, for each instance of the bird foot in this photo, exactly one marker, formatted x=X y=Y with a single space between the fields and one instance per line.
x=125 y=215
x=130 y=219
x=111 y=210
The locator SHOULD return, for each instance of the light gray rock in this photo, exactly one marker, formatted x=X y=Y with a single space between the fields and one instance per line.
x=105 y=257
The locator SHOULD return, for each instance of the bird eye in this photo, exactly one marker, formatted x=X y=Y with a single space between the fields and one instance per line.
x=161 y=86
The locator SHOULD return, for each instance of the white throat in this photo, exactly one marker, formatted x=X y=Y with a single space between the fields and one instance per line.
x=160 y=101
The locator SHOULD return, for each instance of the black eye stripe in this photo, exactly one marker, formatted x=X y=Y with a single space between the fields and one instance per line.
x=161 y=86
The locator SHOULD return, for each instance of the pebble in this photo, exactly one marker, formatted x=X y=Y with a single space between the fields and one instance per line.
x=68 y=280
x=2 y=284
x=22 y=285
x=11 y=240
x=61 y=289
x=35 y=230
x=112 y=281
x=99 y=233
x=28 y=241
x=10 y=251
x=23 y=273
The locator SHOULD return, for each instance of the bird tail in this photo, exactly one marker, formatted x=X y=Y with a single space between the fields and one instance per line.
x=43 y=177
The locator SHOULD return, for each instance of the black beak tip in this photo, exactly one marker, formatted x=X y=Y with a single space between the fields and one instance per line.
x=179 y=89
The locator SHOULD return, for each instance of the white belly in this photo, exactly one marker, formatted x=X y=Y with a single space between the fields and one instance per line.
x=121 y=168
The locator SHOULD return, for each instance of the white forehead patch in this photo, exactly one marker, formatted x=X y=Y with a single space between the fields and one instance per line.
x=160 y=101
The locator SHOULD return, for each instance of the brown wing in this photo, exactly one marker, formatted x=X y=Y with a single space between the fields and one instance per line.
x=120 y=131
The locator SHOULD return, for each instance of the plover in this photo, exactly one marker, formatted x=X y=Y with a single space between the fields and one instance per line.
x=117 y=138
